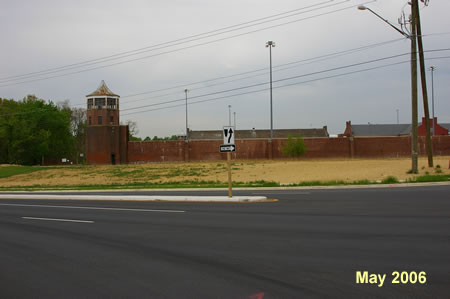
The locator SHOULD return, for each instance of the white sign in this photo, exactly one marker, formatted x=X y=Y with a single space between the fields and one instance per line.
x=228 y=135
x=227 y=148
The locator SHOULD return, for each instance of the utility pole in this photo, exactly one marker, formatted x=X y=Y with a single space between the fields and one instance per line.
x=428 y=144
x=187 y=132
x=229 y=115
x=414 y=145
x=270 y=45
x=432 y=68
x=234 y=114
x=412 y=36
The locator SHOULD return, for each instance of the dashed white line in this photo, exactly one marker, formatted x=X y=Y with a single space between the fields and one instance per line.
x=91 y=208
x=56 y=219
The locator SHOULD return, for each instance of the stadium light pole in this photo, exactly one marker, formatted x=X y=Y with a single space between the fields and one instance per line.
x=414 y=113
x=270 y=45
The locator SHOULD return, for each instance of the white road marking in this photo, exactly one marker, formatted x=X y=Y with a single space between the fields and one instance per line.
x=284 y=193
x=92 y=208
x=56 y=219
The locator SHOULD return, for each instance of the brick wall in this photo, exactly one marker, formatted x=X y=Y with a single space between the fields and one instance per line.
x=253 y=149
x=102 y=142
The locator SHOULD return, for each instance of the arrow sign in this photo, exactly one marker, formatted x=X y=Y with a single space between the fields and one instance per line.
x=228 y=135
x=227 y=148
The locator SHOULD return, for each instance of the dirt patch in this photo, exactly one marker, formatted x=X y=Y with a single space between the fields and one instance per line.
x=284 y=172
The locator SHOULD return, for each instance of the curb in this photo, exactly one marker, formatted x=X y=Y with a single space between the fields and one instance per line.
x=138 y=198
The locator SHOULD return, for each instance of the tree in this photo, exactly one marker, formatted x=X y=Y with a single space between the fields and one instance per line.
x=78 y=128
x=294 y=147
x=32 y=130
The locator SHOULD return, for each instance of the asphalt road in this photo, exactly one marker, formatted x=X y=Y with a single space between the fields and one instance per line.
x=309 y=244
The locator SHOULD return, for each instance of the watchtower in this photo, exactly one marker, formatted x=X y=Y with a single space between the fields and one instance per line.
x=106 y=139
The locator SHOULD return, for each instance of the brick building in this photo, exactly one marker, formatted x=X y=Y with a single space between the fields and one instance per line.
x=378 y=130
x=106 y=139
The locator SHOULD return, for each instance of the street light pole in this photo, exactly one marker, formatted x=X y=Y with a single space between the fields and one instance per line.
x=432 y=68
x=270 y=45
x=187 y=133
x=423 y=78
x=414 y=114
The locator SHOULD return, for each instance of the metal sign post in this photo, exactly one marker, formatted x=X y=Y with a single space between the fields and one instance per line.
x=228 y=147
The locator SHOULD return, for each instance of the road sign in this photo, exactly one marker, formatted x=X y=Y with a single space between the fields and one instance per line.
x=228 y=135
x=227 y=148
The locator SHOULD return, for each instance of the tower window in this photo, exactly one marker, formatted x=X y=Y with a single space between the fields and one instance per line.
x=99 y=103
x=90 y=120
x=90 y=103
x=111 y=119
x=111 y=103
x=99 y=120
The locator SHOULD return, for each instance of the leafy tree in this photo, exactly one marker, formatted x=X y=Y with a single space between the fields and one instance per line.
x=294 y=147
x=32 y=130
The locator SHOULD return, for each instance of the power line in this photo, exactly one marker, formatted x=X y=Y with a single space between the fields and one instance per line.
x=265 y=89
x=283 y=86
x=185 y=48
x=284 y=79
x=277 y=68
x=151 y=48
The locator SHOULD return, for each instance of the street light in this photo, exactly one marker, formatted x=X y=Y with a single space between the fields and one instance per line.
x=412 y=37
x=187 y=136
x=270 y=45
x=432 y=68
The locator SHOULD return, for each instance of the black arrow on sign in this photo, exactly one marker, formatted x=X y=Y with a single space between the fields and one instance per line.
x=230 y=131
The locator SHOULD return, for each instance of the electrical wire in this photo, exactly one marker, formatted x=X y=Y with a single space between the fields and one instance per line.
x=150 y=48
x=284 y=79
x=185 y=48
x=282 y=86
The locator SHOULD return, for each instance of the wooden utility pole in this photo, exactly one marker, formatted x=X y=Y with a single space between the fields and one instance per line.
x=428 y=144
x=414 y=145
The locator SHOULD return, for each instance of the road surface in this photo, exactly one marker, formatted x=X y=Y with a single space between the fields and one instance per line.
x=309 y=244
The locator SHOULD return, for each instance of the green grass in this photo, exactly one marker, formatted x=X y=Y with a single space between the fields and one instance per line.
x=9 y=171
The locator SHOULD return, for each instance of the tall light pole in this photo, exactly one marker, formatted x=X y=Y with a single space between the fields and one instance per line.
x=414 y=113
x=229 y=115
x=187 y=133
x=432 y=68
x=270 y=45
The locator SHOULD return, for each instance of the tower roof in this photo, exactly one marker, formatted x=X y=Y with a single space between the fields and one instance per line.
x=102 y=90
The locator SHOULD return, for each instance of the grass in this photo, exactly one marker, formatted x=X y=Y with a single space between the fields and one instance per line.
x=216 y=184
x=8 y=171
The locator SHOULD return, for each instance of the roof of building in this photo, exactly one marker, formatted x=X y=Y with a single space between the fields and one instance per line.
x=381 y=130
x=102 y=90
x=447 y=126
x=262 y=134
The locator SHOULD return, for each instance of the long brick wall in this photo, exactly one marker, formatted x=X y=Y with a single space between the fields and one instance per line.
x=254 y=149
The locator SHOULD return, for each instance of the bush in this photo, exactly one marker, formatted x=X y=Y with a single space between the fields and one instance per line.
x=390 y=180
x=294 y=147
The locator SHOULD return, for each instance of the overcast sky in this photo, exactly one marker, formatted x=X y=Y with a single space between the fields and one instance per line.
x=42 y=36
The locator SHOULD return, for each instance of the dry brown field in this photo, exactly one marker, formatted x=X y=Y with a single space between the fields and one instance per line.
x=283 y=172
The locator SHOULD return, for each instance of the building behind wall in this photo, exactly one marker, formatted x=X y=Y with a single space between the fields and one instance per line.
x=106 y=139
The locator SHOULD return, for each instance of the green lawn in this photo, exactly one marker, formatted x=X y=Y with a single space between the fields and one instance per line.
x=8 y=171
